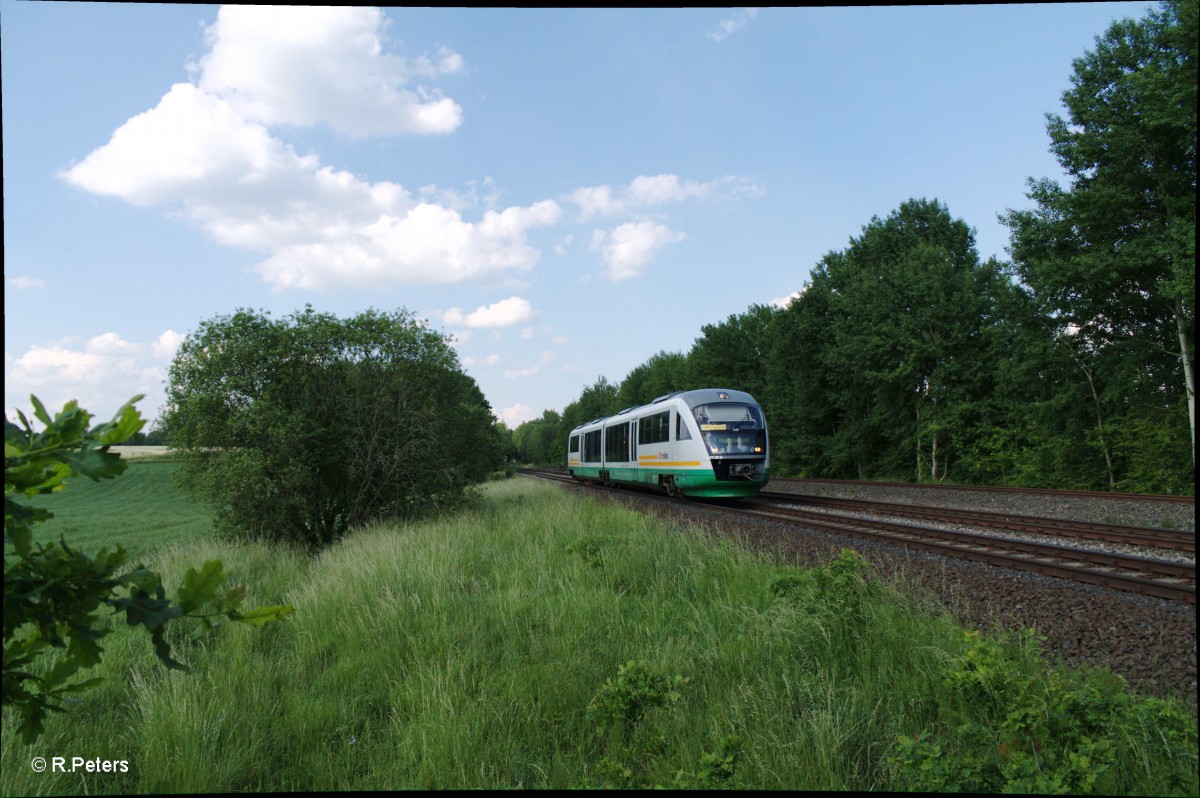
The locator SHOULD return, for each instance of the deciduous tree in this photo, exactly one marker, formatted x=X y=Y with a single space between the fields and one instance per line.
x=1111 y=258
x=302 y=427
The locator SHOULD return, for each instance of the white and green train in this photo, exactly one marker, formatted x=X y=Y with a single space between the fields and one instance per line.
x=710 y=442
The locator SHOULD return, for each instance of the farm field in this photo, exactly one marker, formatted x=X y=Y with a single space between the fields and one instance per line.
x=139 y=510
x=545 y=640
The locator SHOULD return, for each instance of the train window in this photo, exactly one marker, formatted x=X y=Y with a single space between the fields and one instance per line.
x=616 y=443
x=729 y=412
x=681 y=429
x=574 y=444
x=732 y=428
x=591 y=447
x=655 y=428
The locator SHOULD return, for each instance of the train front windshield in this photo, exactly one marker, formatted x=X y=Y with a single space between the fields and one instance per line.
x=732 y=428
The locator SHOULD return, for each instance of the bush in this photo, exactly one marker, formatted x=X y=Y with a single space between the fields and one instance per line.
x=300 y=428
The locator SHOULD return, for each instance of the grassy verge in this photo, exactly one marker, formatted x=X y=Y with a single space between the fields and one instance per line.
x=544 y=640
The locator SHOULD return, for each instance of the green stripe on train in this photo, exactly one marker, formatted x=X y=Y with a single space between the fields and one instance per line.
x=694 y=482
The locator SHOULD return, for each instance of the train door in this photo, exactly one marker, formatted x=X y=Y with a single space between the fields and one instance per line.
x=633 y=450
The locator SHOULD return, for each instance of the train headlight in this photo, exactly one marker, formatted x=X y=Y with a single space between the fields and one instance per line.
x=758 y=450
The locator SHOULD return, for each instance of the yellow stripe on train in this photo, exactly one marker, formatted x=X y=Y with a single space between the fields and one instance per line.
x=657 y=463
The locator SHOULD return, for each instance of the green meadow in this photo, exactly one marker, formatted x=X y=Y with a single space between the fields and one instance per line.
x=542 y=639
x=140 y=510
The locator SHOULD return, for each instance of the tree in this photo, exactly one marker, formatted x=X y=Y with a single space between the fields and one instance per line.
x=803 y=418
x=53 y=593
x=882 y=359
x=536 y=441
x=733 y=354
x=663 y=373
x=303 y=427
x=1111 y=259
x=597 y=400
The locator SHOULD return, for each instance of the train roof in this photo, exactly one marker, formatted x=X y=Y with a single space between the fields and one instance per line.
x=693 y=399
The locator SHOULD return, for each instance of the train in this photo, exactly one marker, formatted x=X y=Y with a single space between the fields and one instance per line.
x=709 y=443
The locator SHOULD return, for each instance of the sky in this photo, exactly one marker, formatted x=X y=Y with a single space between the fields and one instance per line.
x=565 y=192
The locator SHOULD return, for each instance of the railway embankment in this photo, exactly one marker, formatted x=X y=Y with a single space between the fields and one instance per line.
x=1149 y=642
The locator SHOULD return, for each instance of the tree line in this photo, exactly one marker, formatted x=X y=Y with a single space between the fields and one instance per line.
x=906 y=357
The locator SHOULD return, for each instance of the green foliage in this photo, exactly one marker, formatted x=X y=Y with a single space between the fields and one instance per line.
x=1111 y=258
x=843 y=583
x=1008 y=725
x=615 y=716
x=591 y=549
x=300 y=428
x=716 y=769
x=53 y=594
x=906 y=351
x=733 y=354
x=623 y=701
x=536 y=441
x=663 y=373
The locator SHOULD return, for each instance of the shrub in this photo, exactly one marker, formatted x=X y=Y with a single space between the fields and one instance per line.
x=300 y=428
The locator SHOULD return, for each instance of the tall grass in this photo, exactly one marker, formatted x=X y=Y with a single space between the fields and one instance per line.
x=545 y=640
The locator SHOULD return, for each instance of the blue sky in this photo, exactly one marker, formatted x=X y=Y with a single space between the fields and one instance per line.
x=567 y=192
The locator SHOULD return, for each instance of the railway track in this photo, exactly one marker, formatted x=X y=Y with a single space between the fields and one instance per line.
x=932 y=486
x=1145 y=575
x=1154 y=537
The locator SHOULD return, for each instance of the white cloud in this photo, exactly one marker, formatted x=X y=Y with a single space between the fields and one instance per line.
x=102 y=375
x=646 y=191
x=43 y=366
x=665 y=188
x=784 y=301
x=643 y=191
x=457 y=200
x=630 y=247
x=191 y=146
x=515 y=374
x=167 y=344
x=516 y=415
x=23 y=282
x=460 y=337
x=596 y=200
x=211 y=152
x=206 y=150
x=112 y=344
x=427 y=245
x=490 y=360
x=310 y=65
x=732 y=24
x=326 y=228
x=560 y=247
x=504 y=313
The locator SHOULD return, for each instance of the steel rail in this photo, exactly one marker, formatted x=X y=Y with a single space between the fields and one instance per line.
x=1049 y=550
x=1157 y=537
x=1082 y=494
